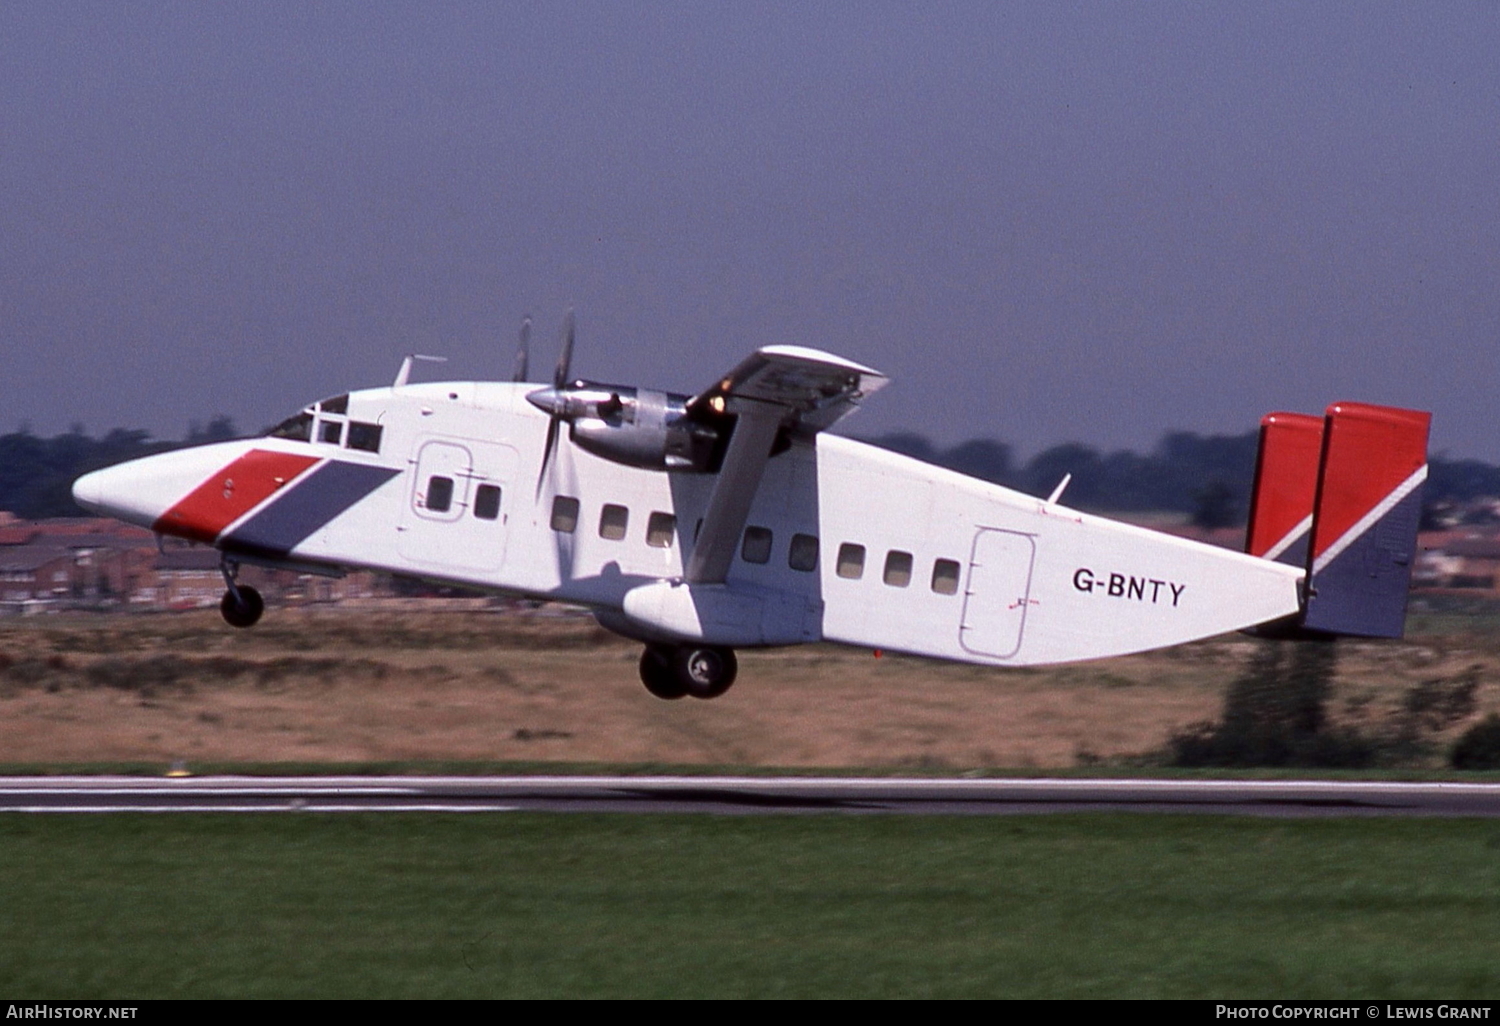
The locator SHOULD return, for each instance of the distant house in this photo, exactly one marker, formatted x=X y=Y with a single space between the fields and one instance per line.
x=90 y=562
x=1470 y=563
x=183 y=578
x=35 y=573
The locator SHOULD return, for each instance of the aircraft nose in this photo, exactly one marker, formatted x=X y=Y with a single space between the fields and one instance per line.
x=88 y=492
x=115 y=492
x=142 y=490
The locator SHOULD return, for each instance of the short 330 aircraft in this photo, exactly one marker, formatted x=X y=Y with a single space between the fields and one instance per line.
x=730 y=519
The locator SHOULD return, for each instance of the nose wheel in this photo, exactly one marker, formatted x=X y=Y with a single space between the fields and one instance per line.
x=675 y=671
x=241 y=605
x=244 y=609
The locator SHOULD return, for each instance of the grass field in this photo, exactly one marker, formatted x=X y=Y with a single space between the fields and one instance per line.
x=653 y=906
x=511 y=904
x=381 y=688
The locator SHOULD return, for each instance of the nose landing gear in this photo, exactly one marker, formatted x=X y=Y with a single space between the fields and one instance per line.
x=674 y=671
x=241 y=605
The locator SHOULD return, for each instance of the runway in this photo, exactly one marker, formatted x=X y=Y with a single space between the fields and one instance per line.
x=743 y=795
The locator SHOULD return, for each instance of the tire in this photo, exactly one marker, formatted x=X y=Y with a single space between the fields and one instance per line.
x=243 y=613
x=705 y=671
x=659 y=675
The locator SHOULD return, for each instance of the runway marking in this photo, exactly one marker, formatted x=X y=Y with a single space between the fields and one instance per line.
x=748 y=795
x=276 y=792
x=291 y=807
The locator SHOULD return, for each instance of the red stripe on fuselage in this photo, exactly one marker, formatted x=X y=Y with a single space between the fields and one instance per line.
x=1368 y=452
x=230 y=493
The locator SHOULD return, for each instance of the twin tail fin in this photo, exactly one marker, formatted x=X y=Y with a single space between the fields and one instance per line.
x=1341 y=496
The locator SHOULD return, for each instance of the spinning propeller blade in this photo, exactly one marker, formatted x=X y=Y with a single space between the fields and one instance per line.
x=519 y=370
x=559 y=381
x=560 y=378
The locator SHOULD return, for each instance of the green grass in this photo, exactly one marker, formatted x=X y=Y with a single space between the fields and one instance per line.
x=481 y=905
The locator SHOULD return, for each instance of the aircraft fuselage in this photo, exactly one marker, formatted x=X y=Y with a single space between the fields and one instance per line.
x=845 y=542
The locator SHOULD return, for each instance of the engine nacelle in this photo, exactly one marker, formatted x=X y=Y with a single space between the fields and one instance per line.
x=638 y=427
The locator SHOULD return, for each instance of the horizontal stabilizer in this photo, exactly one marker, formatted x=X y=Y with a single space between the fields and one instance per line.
x=1365 y=517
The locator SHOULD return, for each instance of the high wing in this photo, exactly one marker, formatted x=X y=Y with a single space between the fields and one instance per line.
x=777 y=389
x=811 y=389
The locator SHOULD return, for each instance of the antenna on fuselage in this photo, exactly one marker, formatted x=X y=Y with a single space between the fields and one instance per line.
x=404 y=374
x=1057 y=492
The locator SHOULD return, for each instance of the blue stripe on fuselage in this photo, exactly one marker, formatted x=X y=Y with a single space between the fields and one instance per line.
x=307 y=507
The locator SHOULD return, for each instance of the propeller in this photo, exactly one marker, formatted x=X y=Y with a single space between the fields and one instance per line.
x=560 y=376
x=554 y=414
x=523 y=352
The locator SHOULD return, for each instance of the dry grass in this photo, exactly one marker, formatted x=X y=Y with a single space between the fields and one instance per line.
x=350 y=686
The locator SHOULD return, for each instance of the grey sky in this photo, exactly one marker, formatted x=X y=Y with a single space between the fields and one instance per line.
x=1045 y=221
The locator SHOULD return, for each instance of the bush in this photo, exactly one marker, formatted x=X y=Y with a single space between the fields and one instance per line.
x=1275 y=715
x=1479 y=748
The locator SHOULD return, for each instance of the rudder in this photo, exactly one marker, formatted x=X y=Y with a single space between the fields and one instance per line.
x=1286 y=487
x=1365 y=517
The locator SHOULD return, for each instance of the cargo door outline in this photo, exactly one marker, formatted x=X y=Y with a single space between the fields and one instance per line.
x=997 y=593
x=455 y=537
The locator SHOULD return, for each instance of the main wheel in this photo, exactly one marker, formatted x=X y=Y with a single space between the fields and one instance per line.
x=705 y=671
x=244 y=612
x=658 y=673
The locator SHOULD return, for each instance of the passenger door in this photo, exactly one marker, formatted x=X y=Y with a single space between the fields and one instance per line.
x=458 y=506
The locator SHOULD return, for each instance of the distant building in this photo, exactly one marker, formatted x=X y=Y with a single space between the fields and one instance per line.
x=1452 y=561
x=90 y=562
x=35 y=573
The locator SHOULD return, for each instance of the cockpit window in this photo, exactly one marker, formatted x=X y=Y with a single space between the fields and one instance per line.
x=331 y=431
x=363 y=436
x=338 y=404
x=297 y=428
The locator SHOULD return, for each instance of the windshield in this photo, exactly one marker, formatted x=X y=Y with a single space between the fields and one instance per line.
x=298 y=428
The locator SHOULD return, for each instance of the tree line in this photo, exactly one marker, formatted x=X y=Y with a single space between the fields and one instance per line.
x=1206 y=477
x=37 y=474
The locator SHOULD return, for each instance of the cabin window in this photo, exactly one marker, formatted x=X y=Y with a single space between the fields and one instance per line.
x=897 y=568
x=612 y=521
x=331 y=431
x=564 y=514
x=851 y=561
x=659 y=530
x=439 y=493
x=298 y=428
x=803 y=555
x=487 y=502
x=757 y=546
x=363 y=436
x=338 y=404
x=945 y=577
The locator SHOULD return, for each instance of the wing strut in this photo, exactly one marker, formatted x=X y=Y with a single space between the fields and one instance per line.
x=739 y=479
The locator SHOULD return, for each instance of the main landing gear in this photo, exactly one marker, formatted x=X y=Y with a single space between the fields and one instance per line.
x=241 y=605
x=673 y=671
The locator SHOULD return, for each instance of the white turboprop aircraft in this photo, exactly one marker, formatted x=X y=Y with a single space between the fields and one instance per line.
x=730 y=519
